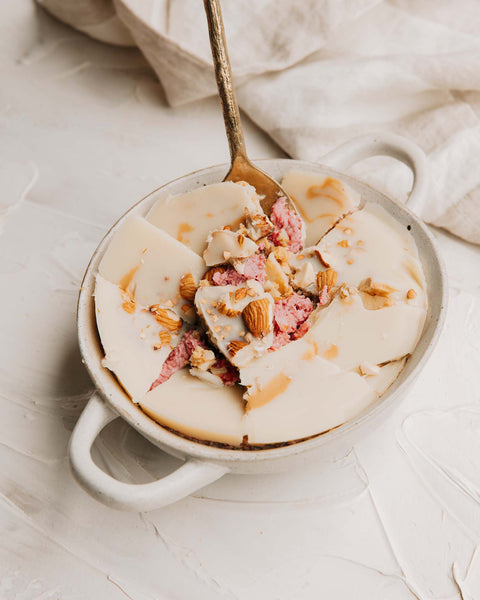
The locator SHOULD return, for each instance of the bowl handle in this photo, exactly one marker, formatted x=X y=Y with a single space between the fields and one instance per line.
x=385 y=144
x=191 y=476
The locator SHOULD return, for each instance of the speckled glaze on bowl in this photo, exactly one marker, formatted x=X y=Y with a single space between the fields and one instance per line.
x=206 y=463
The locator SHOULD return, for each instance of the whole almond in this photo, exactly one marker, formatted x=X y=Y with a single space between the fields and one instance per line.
x=256 y=317
x=187 y=287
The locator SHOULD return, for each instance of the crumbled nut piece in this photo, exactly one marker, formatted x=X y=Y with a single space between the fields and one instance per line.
x=375 y=289
x=375 y=302
x=348 y=231
x=343 y=243
x=326 y=278
x=346 y=292
x=228 y=312
x=128 y=304
x=166 y=317
x=257 y=225
x=187 y=287
x=202 y=359
x=165 y=337
x=321 y=259
x=305 y=276
x=411 y=294
x=235 y=345
x=350 y=261
x=256 y=316
x=282 y=255
x=240 y=293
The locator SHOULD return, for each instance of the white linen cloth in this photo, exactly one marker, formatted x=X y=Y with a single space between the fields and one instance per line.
x=316 y=73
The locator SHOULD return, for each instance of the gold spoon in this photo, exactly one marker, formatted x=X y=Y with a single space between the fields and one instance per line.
x=241 y=169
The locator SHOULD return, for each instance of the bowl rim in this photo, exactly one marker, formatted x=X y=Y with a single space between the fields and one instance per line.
x=112 y=392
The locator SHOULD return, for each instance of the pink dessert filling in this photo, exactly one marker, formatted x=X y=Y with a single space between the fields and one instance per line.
x=290 y=319
x=290 y=222
x=254 y=269
x=226 y=371
x=228 y=277
x=178 y=357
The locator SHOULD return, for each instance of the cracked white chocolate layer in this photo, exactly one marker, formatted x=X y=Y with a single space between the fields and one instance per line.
x=321 y=201
x=369 y=318
x=348 y=334
x=150 y=263
x=190 y=217
x=371 y=243
x=129 y=339
x=197 y=408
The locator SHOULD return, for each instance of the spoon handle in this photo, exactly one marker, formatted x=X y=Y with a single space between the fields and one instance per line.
x=223 y=74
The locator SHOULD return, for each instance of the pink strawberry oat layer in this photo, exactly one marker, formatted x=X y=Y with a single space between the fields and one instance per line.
x=287 y=223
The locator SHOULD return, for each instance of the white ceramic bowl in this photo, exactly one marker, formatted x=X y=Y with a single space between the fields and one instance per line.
x=204 y=463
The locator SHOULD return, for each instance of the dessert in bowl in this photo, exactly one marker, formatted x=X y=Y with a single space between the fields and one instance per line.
x=246 y=342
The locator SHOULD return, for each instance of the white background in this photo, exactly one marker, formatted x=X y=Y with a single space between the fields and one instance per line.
x=86 y=132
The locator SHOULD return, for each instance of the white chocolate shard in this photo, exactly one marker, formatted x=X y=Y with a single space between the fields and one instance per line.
x=197 y=408
x=305 y=277
x=372 y=244
x=190 y=217
x=224 y=246
x=321 y=200
x=303 y=264
x=386 y=375
x=206 y=376
x=348 y=334
x=280 y=365
x=276 y=277
x=129 y=339
x=150 y=264
x=309 y=405
x=294 y=393
x=221 y=309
